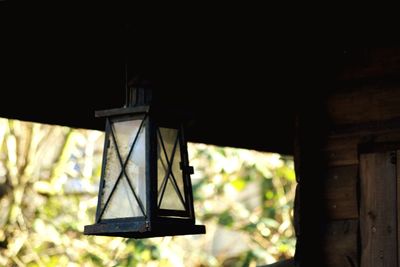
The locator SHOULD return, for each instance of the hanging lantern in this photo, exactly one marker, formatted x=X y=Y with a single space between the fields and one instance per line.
x=145 y=188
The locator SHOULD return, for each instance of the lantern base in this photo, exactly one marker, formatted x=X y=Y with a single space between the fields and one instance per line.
x=142 y=229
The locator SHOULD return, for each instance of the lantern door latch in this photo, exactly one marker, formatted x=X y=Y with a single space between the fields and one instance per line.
x=186 y=168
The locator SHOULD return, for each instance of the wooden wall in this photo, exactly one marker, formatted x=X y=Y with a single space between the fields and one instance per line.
x=338 y=139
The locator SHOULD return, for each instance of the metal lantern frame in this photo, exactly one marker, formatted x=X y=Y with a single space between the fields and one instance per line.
x=155 y=221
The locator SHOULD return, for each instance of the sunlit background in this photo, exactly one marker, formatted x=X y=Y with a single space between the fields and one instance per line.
x=49 y=179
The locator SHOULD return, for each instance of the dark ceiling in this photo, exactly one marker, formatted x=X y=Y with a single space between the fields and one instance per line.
x=240 y=79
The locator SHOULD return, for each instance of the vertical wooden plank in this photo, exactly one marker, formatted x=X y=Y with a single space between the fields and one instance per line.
x=378 y=215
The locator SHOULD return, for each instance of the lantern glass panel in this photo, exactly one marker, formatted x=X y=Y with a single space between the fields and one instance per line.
x=170 y=179
x=123 y=202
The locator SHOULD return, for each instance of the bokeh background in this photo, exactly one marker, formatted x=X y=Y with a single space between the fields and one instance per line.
x=49 y=179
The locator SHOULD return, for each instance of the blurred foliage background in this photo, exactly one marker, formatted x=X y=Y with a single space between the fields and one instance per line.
x=48 y=191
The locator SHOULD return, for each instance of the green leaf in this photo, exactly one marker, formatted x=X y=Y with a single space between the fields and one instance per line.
x=226 y=219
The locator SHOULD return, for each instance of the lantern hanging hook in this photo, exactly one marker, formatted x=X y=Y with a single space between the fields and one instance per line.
x=138 y=90
x=127 y=91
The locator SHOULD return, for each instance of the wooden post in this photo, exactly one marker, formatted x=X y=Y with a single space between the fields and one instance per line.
x=378 y=211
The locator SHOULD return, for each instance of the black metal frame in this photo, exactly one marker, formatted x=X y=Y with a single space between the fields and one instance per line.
x=156 y=221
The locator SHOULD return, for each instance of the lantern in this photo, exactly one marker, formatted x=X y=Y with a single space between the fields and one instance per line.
x=145 y=188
